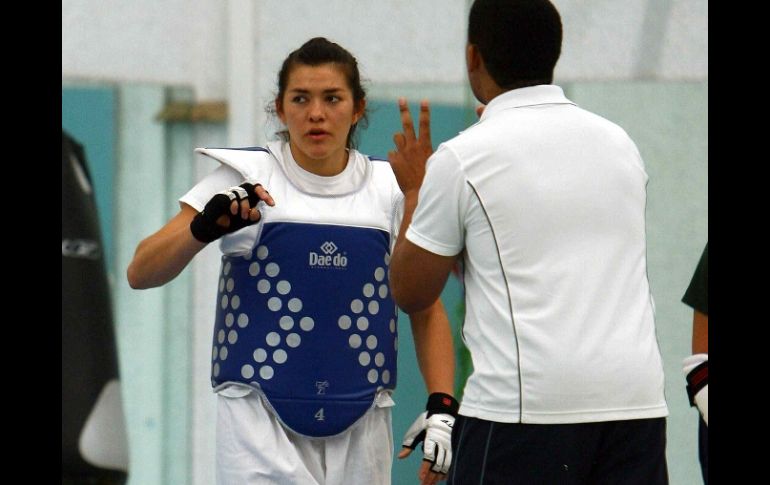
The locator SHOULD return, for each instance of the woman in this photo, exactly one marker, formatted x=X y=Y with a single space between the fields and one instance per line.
x=304 y=354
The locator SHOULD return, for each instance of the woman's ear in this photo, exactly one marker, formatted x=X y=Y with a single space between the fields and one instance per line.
x=359 y=111
x=279 y=110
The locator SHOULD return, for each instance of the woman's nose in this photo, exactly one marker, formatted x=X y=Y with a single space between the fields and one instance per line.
x=316 y=111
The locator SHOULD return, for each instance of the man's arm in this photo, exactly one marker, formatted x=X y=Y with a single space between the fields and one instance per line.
x=700 y=333
x=417 y=276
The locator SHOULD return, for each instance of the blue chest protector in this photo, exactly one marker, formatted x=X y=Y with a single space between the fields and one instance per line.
x=307 y=318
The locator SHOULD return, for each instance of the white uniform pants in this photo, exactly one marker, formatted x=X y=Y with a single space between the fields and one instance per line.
x=253 y=448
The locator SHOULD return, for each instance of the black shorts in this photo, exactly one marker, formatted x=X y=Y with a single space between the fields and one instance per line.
x=613 y=452
x=703 y=450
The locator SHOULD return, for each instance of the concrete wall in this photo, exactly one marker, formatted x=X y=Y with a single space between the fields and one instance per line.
x=397 y=41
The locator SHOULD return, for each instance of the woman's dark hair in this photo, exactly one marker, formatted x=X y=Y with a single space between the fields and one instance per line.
x=519 y=40
x=318 y=51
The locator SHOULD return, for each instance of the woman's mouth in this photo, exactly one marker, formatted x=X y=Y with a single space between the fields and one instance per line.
x=317 y=134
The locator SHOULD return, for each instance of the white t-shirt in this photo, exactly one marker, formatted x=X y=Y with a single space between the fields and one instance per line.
x=547 y=203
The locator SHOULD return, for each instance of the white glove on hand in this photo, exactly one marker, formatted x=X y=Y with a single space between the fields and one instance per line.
x=696 y=369
x=435 y=431
x=437 y=448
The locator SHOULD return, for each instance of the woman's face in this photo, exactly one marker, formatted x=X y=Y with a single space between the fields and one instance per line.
x=318 y=109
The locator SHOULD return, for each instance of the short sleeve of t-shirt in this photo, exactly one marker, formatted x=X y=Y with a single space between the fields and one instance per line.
x=437 y=224
x=697 y=294
x=221 y=178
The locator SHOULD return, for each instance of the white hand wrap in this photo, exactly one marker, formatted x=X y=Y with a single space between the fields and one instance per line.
x=696 y=370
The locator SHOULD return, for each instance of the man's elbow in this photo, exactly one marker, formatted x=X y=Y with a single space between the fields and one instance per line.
x=135 y=279
x=408 y=300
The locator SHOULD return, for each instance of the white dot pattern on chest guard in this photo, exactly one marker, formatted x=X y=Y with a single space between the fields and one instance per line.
x=283 y=341
x=362 y=325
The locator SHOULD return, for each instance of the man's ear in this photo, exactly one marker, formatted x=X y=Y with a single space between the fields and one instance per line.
x=472 y=58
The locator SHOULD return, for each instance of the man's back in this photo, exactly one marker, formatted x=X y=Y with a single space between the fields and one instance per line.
x=560 y=317
x=545 y=203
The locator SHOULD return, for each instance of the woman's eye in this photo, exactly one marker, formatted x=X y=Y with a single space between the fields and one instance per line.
x=298 y=99
x=333 y=99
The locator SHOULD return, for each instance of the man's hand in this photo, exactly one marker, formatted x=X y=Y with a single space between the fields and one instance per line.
x=229 y=211
x=434 y=428
x=412 y=151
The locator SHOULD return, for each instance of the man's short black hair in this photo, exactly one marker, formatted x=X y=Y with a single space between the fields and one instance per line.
x=519 y=40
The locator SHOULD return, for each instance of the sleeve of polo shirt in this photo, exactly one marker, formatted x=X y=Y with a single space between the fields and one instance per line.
x=697 y=294
x=437 y=224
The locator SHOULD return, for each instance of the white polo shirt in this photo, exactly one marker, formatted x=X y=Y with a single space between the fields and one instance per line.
x=548 y=202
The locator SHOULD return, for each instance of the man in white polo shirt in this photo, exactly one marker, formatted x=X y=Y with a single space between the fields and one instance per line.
x=544 y=203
